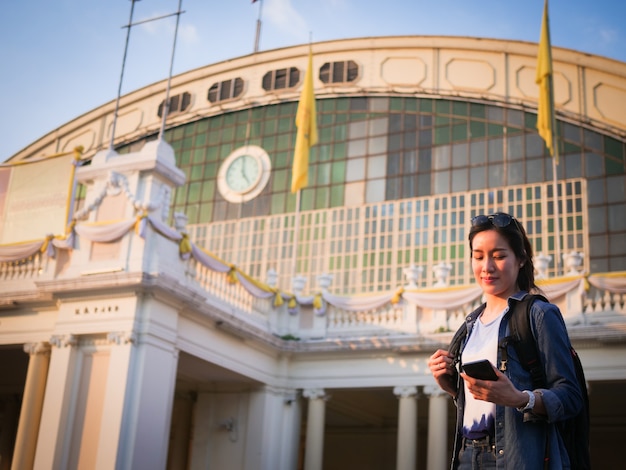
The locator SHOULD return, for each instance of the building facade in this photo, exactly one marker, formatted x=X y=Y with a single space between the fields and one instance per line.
x=193 y=317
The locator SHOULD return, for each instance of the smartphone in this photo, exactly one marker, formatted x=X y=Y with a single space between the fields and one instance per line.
x=480 y=370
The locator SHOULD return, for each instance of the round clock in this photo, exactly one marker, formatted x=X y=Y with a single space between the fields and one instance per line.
x=244 y=174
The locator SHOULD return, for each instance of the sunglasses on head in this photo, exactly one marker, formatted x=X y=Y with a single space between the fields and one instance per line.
x=499 y=219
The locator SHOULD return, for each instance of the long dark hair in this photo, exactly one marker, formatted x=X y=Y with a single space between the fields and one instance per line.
x=514 y=233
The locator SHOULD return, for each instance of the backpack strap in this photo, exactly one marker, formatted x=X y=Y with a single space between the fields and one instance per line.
x=523 y=341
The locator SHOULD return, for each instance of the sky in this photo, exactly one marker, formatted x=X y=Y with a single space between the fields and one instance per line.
x=60 y=59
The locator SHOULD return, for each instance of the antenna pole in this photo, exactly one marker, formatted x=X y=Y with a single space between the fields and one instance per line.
x=119 y=88
x=166 y=104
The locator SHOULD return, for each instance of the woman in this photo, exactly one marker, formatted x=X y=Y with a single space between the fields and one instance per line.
x=504 y=423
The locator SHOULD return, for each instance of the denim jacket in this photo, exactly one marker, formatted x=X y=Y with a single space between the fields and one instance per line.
x=521 y=443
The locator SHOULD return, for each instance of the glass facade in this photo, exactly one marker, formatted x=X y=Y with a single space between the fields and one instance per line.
x=377 y=150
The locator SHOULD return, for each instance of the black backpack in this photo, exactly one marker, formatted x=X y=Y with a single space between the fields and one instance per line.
x=574 y=431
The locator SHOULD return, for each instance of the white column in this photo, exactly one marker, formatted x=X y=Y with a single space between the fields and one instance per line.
x=273 y=429
x=32 y=404
x=149 y=397
x=314 y=451
x=113 y=404
x=407 y=428
x=52 y=442
x=437 y=458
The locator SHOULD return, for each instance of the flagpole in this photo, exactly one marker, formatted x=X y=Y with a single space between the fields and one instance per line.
x=555 y=185
x=296 y=235
x=257 y=37
x=166 y=104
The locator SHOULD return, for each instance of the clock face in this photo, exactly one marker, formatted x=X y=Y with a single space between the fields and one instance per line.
x=244 y=174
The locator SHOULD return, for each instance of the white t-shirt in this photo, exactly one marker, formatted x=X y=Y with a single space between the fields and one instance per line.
x=479 y=415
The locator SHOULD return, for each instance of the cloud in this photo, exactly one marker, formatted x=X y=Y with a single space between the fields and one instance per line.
x=608 y=36
x=187 y=33
x=282 y=15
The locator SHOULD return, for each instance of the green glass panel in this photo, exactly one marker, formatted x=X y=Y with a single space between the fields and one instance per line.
x=225 y=149
x=426 y=105
x=358 y=116
x=210 y=170
x=478 y=129
x=278 y=203
x=200 y=140
x=217 y=121
x=280 y=178
x=187 y=142
x=202 y=126
x=212 y=154
x=269 y=143
x=511 y=131
x=325 y=106
x=459 y=108
x=530 y=121
x=338 y=172
x=321 y=198
x=284 y=124
x=442 y=135
x=442 y=107
x=270 y=126
x=198 y=156
x=192 y=213
x=339 y=151
x=442 y=120
x=613 y=147
x=188 y=129
x=339 y=118
x=241 y=131
x=229 y=119
x=336 y=196
x=185 y=157
x=282 y=159
x=291 y=202
x=478 y=110
x=571 y=148
x=181 y=194
x=459 y=132
x=208 y=190
x=436 y=253
x=228 y=133
x=206 y=213
x=307 y=199
x=494 y=130
x=196 y=172
x=410 y=104
x=342 y=104
x=396 y=104
x=341 y=132
x=613 y=167
x=283 y=141
x=325 y=134
x=194 y=192
x=325 y=119
x=323 y=174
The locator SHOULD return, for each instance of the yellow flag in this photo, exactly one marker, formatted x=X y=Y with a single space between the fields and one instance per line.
x=306 y=122
x=544 y=79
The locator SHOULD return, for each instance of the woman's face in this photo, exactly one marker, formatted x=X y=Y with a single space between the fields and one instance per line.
x=494 y=264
